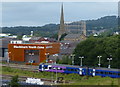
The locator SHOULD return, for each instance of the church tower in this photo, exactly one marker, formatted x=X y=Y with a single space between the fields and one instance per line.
x=62 y=26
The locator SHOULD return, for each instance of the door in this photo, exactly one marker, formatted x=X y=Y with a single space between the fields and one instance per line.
x=32 y=56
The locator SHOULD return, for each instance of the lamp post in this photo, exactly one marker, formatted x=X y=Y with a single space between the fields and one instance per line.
x=55 y=55
x=81 y=60
x=109 y=61
x=46 y=57
x=99 y=60
x=8 y=59
x=52 y=75
x=72 y=55
x=31 y=54
x=56 y=75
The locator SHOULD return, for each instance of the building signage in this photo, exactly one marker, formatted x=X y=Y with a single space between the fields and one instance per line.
x=37 y=47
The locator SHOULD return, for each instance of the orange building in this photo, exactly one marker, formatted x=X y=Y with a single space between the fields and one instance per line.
x=35 y=53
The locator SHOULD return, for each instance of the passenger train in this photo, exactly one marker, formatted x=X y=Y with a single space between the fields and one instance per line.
x=103 y=72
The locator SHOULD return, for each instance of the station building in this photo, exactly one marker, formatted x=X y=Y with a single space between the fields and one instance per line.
x=32 y=52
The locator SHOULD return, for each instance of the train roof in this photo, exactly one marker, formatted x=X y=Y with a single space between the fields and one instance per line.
x=100 y=68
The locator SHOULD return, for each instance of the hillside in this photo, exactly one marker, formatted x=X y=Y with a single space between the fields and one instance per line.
x=107 y=22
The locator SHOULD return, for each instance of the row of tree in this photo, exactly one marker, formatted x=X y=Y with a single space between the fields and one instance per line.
x=99 y=46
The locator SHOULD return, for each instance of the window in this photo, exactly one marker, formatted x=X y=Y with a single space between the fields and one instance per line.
x=50 y=67
x=97 y=72
x=60 y=69
x=102 y=72
x=44 y=67
x=110 y=73
x=118 y=74
x=40 y=66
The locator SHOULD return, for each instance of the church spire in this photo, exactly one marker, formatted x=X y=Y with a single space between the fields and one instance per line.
x=62 y=29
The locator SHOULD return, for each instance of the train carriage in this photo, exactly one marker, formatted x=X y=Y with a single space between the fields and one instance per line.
x=68 y=69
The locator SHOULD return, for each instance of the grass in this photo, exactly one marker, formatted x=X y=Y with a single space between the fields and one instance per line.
x=75 y=79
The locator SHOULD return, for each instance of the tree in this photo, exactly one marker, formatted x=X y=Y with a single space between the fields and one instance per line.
x=14 y=81
x=95 y=46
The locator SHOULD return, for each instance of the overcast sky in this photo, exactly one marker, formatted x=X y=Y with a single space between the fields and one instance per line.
x=41 y=13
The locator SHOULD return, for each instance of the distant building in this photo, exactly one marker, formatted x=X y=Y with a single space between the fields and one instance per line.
x=62 y=26
x=76 y=27
x=4 y=47
x=76 y=32
x=116 y=33
x=3 y=35
x=95 y=35
x=16 y=41
x=41 y=40
x=26 y=38
x=67 y=47
x=74 y=37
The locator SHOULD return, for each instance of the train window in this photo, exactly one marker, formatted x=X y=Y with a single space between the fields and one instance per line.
x=78 y=70
x=64 y=69
x=97 y=72
x=58 y=68
x=44 y=67
x=54 y=68
x=50 y=67
x=118 y=74
x=71 y=70
x=114 y=73
x=110 y=73
x=61 y=69
x=83 y=70
x=101 y=72
x=92 y=71
x=68 y=69
x=40 y=66
x=106 y=72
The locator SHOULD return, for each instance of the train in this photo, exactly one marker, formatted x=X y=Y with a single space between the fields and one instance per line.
x=83 y=71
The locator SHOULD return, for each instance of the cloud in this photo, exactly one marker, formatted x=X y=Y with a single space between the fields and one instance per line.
x=40 y=13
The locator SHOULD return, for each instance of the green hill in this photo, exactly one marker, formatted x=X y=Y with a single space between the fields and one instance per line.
x=107 y=22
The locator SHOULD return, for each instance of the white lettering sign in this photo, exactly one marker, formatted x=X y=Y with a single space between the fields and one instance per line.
x=38 y=47
x=20 y=46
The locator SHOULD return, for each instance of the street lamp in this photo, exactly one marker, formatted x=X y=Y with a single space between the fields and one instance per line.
x=99 y=60
x=8 y=59
x=72 y=55
x=46 y=57
x=81 y=60
x=55 y=55
x=109 y=61
x=52 y=75
x=31 y=54
x=56 y=75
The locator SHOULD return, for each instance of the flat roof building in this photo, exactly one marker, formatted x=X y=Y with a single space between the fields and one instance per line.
x=32 y=52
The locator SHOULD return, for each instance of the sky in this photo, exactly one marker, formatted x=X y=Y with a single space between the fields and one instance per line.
x=41 y=13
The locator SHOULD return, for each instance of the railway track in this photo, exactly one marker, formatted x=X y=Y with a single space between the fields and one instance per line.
x=22 y=67
x=23 y=79
x=27 y=68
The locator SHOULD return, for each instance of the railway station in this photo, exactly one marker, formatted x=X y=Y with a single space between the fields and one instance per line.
x=34 y=53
